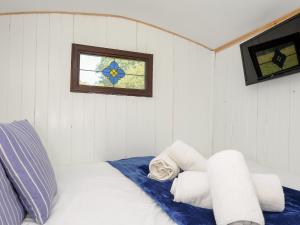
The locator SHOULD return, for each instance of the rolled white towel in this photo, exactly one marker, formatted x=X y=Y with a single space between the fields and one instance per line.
x=193 y=188
x=232 y=192
x=163 y=168
x=186 y=157
x=269 y=192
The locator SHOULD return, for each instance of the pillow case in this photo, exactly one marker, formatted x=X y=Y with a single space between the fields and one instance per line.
x=28 y=168
x=11 y=210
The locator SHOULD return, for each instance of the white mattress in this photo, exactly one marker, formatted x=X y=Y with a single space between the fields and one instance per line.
x=98 y=194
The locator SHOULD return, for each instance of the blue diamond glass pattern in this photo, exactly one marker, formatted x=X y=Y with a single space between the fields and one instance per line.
x=113 y=72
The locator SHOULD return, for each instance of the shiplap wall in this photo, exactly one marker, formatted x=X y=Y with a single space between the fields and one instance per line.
x=261 y=120
x=35 y=55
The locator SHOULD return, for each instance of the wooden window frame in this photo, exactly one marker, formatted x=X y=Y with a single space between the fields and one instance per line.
x=78 y=49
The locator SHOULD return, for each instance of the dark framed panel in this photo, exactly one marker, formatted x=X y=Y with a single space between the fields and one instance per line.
x=285 y=52
x=264 y=42
x=111 y=71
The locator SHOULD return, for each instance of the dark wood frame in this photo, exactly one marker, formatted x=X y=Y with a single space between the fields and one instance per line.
x=98 y=51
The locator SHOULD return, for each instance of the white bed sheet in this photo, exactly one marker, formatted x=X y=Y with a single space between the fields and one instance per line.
x=98 y=194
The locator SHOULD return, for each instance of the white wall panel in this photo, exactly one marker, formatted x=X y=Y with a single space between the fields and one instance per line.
x=235 y=106
x=192 y=95
x=162 y=47
x=79 y=128
x=85 y=31
x=54 y=97
x=14 y=84
x=4 y=65
x=145 y=135
x=273 y=123
x=294 y=131
x=62 y=154
x=260 y=120
x=87 y=34
x=28 y=66
x=121 y=34
x=42 y=77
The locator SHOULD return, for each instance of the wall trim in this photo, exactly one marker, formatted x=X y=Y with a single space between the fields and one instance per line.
x=107 y=15
x=218 y=49
x=257 y=31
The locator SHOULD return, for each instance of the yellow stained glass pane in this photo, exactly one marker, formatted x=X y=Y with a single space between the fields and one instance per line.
x=265 y=57
x=132 y=67
x=131 y=82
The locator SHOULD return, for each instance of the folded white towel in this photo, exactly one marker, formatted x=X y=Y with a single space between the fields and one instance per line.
x=233 y=194
x=163 y=168
x=186 y=157
x=193 y=188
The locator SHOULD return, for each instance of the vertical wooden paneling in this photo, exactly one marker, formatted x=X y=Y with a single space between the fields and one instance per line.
x=162 y=44
x=294 y=140
x=242 y=108
x=144 y=137
x=273 y=123
x=192 y=85
x=28 y=67
x=14 y=105
x=89 y=30
x=131 y=127
x=89 y=109
x=121 y=34
x=54 y=85
x=164 y=91
x=4 y=65
x=77 y=142
x=96 y=37
x=35 y=62
x=59 y=98
x=100 y=128
x=260 y=120
x=63 y=153
x=220 y=101
x=42 y=72
x=79 y=103
x=182 y=76
x=201 y=125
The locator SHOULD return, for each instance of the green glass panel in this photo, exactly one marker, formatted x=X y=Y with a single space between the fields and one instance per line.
x=270 y=67
x=104 y=62
x=132 y=82
x=104 y=82
x=132 y=66
x=266 y=65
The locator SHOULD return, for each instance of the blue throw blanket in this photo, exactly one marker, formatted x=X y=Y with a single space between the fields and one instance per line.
x=136 y=169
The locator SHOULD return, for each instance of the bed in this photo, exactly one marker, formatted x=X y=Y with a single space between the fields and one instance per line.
x=99 y=194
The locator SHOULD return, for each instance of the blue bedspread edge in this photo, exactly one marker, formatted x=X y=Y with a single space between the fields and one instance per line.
x=136 y=169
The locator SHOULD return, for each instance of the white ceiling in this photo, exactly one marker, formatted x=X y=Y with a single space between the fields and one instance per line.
x=210 y=22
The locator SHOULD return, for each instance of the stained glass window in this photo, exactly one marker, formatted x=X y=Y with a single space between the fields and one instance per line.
x=111 y=71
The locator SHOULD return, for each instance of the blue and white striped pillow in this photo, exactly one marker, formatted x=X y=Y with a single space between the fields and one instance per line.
x=11 y=210
x=28 y=168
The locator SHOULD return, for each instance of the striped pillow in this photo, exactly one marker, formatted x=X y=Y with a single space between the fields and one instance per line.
x=11 y=210
x=28 y=167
